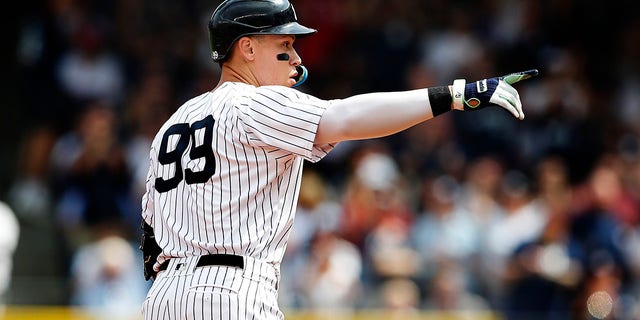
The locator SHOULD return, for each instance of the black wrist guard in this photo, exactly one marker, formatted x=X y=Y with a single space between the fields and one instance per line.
x=150 y=250
x=440 y=100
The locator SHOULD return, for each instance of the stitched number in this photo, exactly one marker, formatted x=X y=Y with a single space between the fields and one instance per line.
x=202 y=151
x=166 y=157
x=186 y=133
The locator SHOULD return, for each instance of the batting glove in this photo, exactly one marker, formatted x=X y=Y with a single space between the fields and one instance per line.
x=491 y=92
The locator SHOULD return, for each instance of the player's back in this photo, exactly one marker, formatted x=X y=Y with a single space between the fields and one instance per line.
x=217 y=183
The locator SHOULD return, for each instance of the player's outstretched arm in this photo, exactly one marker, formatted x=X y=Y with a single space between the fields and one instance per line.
x=380 y=114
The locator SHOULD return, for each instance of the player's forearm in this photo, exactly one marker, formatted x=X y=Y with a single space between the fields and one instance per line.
x=373 y=115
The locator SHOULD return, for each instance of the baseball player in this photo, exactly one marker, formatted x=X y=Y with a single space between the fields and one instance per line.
x=225 y=168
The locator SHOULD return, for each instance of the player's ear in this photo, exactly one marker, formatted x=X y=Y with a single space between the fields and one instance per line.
x=246 y=47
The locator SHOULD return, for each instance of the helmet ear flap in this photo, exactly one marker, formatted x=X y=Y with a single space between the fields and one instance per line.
x=215 y=55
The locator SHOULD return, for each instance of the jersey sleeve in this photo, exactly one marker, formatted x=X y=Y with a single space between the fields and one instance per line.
x=285 y=118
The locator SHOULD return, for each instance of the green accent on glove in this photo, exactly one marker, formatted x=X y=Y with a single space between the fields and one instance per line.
x=519 y=76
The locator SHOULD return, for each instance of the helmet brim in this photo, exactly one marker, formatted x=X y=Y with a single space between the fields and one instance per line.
x=292 y=28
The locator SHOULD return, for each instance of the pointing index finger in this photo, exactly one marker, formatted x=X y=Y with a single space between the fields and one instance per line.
x=519 y=76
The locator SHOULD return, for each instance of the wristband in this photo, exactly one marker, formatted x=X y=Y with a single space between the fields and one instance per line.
x=439 y=99
x=458 y=93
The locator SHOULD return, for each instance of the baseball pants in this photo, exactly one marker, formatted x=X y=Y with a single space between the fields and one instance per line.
x=187 y=291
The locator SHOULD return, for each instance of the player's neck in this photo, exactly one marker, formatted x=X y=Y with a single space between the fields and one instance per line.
x=234 y=74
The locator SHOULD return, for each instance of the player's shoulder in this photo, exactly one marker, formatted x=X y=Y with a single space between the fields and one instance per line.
x=278 y=90
x=245 y=89
x=288 y=96
x=187 y=110
x=243 y=95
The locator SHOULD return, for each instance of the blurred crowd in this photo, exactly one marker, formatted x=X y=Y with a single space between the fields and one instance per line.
x=469 y=211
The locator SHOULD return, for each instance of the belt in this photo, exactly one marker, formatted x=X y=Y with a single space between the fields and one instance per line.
x=217 y=259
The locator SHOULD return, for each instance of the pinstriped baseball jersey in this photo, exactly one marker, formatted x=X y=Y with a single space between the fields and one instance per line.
x=225 y=171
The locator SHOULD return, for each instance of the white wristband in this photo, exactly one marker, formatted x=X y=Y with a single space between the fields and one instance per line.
x=458 y=93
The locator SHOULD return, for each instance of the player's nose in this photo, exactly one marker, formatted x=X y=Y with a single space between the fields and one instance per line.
x=297 y=60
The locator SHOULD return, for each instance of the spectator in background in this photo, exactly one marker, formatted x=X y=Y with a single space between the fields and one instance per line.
x=92 y=178
x=388 y=250
x=450 y=51
x=332 y=275
x=554 y=190
x=377 y=217
x=88 y=71
x=9 y=235
x=448 y=291
x=542 y=274
x=613 y=190
x=29 y=194
x=105 y=277
x=479 y=190
x=523 y=220
x=401 y=298
x=444 y=233
x=479 y=199
x=374 y=191
x=386 y=245
x=317 y=212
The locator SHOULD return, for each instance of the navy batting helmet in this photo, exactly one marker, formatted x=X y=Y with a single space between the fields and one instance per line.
x=233 y=19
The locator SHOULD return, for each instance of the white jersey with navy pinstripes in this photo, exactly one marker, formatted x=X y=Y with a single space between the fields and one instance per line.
x=225 y=171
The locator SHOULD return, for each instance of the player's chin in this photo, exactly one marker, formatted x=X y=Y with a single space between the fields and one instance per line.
x=290 y=82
